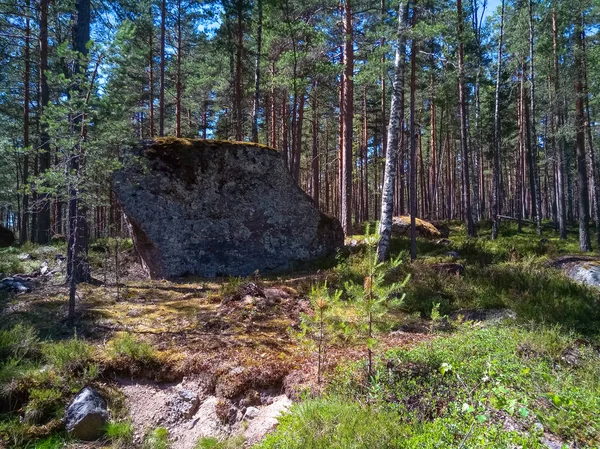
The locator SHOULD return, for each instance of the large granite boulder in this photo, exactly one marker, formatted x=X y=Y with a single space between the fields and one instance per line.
x=582 y=269
x=401 y=227
x=219 y=208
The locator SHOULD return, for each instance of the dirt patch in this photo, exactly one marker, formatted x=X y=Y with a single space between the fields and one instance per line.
x=189 y=411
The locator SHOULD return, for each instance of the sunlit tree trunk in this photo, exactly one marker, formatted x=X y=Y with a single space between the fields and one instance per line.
x=393 y=131
x=348 y=117
x=497 y=138
x=257 y=74
x=467 y=210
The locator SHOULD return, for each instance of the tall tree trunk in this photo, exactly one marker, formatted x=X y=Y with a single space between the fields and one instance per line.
x=590 y=142
x=393 y=131
x=257 y=74
x=178 y=83
x=77 y=265
x=297 y=138
x=497 y=137
x=43 y=221
x=584 y=207
x=239 y=130
x=151 y=75
x=26 y=101
x=560 y=148
x=178 y=90
x=468 y=216
x=534 y=140
x=348 y=117
x=365 y=159
x=340 y=190
x=161 y=100
x=413 y=152
x=315 y=186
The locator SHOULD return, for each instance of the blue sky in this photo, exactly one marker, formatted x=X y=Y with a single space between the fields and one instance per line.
x=491 y=7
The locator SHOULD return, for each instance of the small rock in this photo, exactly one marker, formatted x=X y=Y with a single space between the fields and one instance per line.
x=15 y=284
x=186 y=403
x=24 y=256
x=571 y=356
x=444 y=242
x=251 y=413
x=87 y=415
x=134 y=313
x=455 y=269
x=453 y=254
x=251 y=398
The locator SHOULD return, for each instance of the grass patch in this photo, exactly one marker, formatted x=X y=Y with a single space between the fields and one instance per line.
x=494 y=387
x=126 y=346
x=157 y=439
x=120 y=433
x=68 y=356
x=234 y=442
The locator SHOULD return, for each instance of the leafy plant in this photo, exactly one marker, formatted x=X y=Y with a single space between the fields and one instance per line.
x=374 y=298
x=318 y=328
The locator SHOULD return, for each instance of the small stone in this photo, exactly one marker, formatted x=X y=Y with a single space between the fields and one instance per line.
x=186 y=403
x=251 y=413
x=455 y=269
x=453 y=254
x=134 y=313
x=87 y=415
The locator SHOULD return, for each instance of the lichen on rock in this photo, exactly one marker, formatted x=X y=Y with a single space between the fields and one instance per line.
x=219 y=208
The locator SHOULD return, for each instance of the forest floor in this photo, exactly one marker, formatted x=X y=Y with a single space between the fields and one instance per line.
x=463 y=376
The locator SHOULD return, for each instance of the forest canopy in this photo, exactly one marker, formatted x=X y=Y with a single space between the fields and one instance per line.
x=496 y=102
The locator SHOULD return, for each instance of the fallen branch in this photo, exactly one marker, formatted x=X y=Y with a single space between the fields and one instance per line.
x=531 y=222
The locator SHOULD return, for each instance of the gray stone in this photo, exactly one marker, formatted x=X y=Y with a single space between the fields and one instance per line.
x=586 y=273
x=582 y=269
x=15 y=284
x=449 y=268
x=251 y=413
x=186 y=403
x=213 y=208
x=87 y=416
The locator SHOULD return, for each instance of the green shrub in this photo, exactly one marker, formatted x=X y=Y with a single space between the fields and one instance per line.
x=18 y=342
x=126 y=346
x=120 y=433
x=68 y=356
x=157 y=439
x=43 y=404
